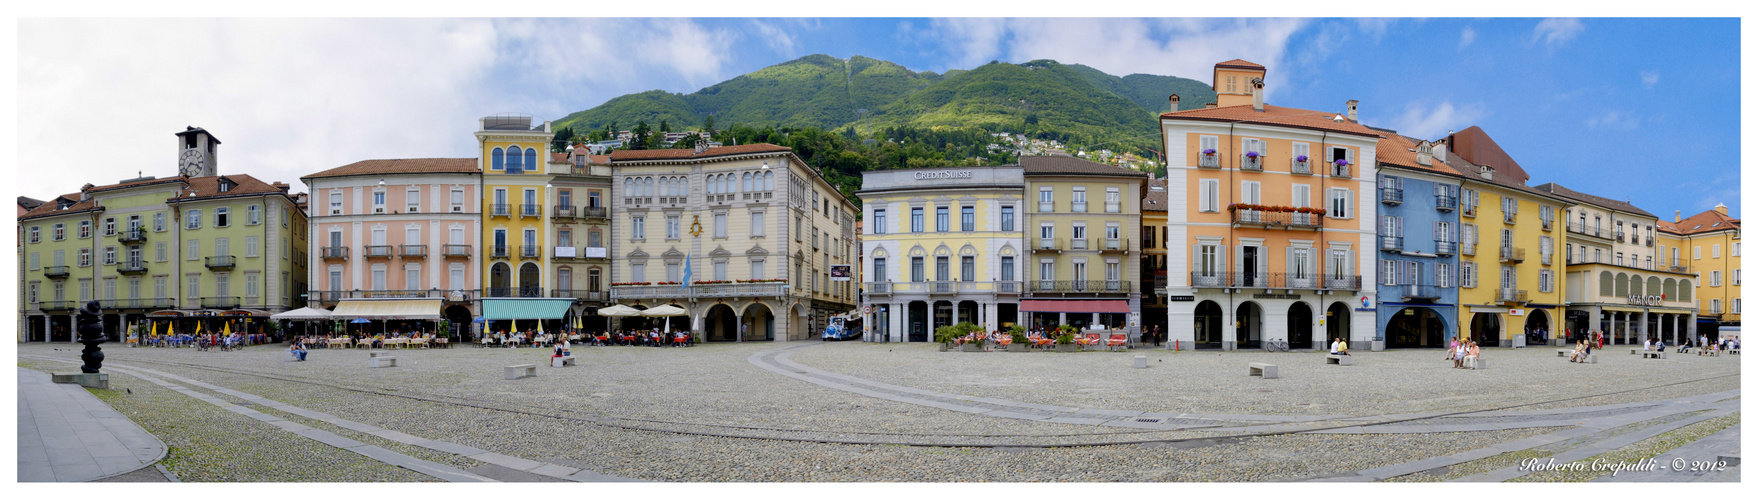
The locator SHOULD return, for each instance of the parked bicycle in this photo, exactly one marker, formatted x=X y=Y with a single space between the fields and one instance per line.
x=1276 y=346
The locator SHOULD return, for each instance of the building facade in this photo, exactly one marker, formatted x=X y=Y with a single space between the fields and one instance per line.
x=1153 y=259
x=1708 y=246
x=1084 y=270
x=1509 y=271
x=941 y=246
x=406 y=228
x=752 y=230
x=1418 y=227
x=513 y=158
x=579 y=224
x=1271 y=221
x=178 y=248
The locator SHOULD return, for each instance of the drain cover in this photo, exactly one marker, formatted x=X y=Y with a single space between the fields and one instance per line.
x=1148 y=420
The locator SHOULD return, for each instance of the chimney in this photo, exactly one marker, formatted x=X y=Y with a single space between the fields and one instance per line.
x=1352 y=104
x=1721 y=209
x=701 y=145
x=1486 y=172
x=1440 y=150
x=1174 y=100
x=1675 y=216
x=1257 y=94
x=1424 y=154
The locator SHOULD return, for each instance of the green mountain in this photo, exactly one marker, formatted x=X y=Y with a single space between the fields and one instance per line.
x=1073 y=101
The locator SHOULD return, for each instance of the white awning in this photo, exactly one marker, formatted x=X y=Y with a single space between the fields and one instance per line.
x=302 y=314
x=387 y=309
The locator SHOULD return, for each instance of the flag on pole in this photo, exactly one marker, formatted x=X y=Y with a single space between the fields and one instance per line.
x=685 y=284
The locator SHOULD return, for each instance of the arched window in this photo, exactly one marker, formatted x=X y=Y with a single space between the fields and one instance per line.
x=727 y=183
x=531 y=158
x=515 y=162
x=1623 y=285
x=745 y=181
x=629 y=186
x=647 y=186
x=1636 y=285
x=1605 y=284
x=768 y=181
x=499 y=163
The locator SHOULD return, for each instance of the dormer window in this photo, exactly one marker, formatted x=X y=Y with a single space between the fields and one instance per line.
x=225 y=185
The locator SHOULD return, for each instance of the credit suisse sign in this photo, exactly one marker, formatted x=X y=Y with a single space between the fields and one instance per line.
x=943 y=174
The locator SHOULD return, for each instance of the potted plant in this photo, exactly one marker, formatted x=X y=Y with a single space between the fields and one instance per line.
x=1020 y=342
x=1301 y=158
x=945 y=335
x=1065 y=342
x=1209 y=152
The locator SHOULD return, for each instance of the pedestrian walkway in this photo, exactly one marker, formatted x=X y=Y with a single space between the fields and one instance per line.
x=66 y=434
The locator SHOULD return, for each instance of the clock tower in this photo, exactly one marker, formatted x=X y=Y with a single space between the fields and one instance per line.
x=197 y=153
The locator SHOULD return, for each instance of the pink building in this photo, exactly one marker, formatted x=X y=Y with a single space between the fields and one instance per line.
x=390 y=231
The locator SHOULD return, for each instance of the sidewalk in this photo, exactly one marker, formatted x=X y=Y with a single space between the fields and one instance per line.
x=66 y=434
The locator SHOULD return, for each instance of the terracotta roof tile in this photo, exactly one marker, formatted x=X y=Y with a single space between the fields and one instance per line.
x=1559 y=190
x=29 y=203
x=1240 y=63
x=1068 y=165
x=205 y=187
x=683 y=154
x=48 y=208
x=1274 y=115
x=1708 y=221
x=1154 y=201
x=401 y=166
x=1399 y=150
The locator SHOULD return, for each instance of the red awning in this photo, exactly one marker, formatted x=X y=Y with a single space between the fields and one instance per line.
x=1074 y=306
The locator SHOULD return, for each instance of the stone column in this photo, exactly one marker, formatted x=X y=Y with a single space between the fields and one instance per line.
x=991 y=315
x=1642 y=326
x=1181 y=324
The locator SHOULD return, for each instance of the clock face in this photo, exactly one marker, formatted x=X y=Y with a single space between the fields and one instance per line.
x=190 y=163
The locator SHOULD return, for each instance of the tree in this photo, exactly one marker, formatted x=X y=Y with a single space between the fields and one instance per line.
x=688 y=142
x=708 y=124
x=664 y=126
x=640 y=132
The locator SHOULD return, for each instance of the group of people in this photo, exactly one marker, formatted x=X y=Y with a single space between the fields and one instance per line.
x=1705 y=347
x=201 y=342
x=649 y=338
x=297 y=348
x=1582 y=350
x=516 y=338
x=1340 y=347
x=1463 y=353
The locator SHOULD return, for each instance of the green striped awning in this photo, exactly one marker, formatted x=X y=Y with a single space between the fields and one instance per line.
x=495 y=309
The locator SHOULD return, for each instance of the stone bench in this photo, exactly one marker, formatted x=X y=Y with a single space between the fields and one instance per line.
x=374 y=354
x=1564 y=353
x=561 y=361
x=1636 y=350
x=1733 y=351
x=383 y=361
x=1265 y=370
x=1338 y=359
x=1141 y=361
x=1592 y=359
x=519 y=371
x=1654 y=355
x=1476 y=364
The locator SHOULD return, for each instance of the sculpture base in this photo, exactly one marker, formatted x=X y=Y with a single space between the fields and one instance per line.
x=87 y=380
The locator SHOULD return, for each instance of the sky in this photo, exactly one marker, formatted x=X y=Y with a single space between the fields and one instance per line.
x=1644 y=110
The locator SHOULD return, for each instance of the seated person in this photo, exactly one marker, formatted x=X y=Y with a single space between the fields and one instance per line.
x=298 y=350
x=1471 y=353
x=1342 y=346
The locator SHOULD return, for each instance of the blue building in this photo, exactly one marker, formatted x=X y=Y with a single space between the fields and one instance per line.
x=1416 y=287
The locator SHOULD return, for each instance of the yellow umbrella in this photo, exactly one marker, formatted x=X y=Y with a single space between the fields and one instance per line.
x=228 y=327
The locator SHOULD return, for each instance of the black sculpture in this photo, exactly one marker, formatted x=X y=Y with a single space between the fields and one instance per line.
x=89 y=325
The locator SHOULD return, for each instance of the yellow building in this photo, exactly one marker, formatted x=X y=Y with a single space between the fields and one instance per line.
x=1511 y=235
x=1614 y=283
x=1708 y=245
x=513 y=153
x=1083 y=269
x=942 y=246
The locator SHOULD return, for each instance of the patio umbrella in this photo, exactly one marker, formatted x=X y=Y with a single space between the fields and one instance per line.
x=618 y=311
x=667 y=310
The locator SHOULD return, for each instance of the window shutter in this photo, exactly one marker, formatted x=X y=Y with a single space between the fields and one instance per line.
x=1263 y=260
x=1349 y=154
x=1400 y=222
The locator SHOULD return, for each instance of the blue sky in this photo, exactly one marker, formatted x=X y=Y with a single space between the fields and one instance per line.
x=1638 y=109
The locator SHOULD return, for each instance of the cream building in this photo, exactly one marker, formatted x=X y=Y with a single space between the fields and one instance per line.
x=757 y=229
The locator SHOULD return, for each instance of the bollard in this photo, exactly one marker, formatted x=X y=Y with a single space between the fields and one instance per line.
x=1141 y=361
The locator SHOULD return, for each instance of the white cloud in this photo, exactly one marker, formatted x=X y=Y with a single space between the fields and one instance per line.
x=293 y=96
x=1556 y=31
x=1182 y=47
x=775 y=37
x=1613 y=119
x=1375 y=26
x=1466 y=36
x=1649 y=78
x=1430 y=122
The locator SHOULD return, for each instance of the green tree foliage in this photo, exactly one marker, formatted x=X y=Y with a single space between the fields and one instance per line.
x=641 y=133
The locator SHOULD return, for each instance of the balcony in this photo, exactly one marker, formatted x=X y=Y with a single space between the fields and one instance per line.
x=1299 y=167
x=1043 y=207
x=132 y=236
x=1274 y=280
x=1339 y=170
x=1446 y=203
x=500 y=210
x=1208 y=161
x=562 y=212
x=1077 y=243
x=1544 y=258
x=580 y=295
x=1080 y=286
x=1468 y=248
x=507 y=291
x=1679 y=268
x=1392 y=243
x=333 y=253
x=1420 y=292
x=1651 y=243
x=1585 y=230
x=219 y=262
x=378 y=251
x=530 y=252
x=1509 y=217
x=498 y=252
x=1619 y=236
x=1277 y=220
x=1009 y=287
x=327 y=296
x=718 y=290
x=1079 y=207
x=1048 y=244
x=412 y=250
x=595 y=253
x=58 y=305
x=1506 y=295
x=942 y=287
x=1510 y=254
x=530 y=210
x=564 y=253
x=138 y=303
x=1468 y=211
x=1118 y=245
x=595 y=212
x=131 y=267
x=878 y=288
x=1391 y=196
x=457 y=251
x=219 y=302
x=55 y=272
x=1247 y=162
x=1445 y=247
x=1547 y=224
